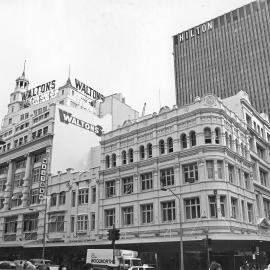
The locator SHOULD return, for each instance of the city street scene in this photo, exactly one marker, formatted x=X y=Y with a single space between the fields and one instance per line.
x=135 y=135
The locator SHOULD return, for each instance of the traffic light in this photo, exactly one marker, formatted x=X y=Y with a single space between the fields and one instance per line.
x=113 y=234
x=110 y=234
x=116 y=234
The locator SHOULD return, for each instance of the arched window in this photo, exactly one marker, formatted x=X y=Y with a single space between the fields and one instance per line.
x=184 y=141
x=217 y=135
x=142 y=154
x=170 y=145
x=124 y=157
x=107 y=161
x=113 y=160
x=207 y=135
x=192 y=136
x=161 y=147
x=130 y=155
x=149 y=150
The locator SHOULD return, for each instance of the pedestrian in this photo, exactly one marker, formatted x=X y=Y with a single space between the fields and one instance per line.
x=215 y=266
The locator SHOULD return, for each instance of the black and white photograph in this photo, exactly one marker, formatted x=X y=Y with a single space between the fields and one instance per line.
x=135 y=135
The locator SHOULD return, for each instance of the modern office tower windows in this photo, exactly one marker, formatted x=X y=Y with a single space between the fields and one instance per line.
x=168 y=211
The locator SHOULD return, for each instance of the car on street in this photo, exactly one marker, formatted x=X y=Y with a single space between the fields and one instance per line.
x=7 y=265
x=43 y=264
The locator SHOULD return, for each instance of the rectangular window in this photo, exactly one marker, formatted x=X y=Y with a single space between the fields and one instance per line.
x=72 y=223
x=231 y=173
x=263 y=177
x=34 y=197
x=260 y=152
x=83 y=196
x=11 y=225
x=246 y=176
x=39 y=157
x=3 y=182
x=266 y=204
x=93 y=221
x=147 y=213
x=36 y=175
x=167 y=177
x=223 y=206
x=168 y=211
x=109 y=217
x=94 y=194
x=73 y=198
x=30 y=222
x=243 y=210
x=192 y=207
x=210 y=169
x=2 y=203
x=146 y=181
x=62 y=198
x=127 y=185
x=53 y=200
x=220 y=169
x=191 y=173
x=20 y=164
x=56 y=222
x=250 y=212
x=82 y=223
x=213 y=206
x=127 y=215
x=110 y=188
x=16 y=200
x=234 y=208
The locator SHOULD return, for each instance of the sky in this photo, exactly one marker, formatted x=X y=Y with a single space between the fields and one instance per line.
x=114 y=46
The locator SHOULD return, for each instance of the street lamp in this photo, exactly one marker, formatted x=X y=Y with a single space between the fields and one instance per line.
x=181 y=265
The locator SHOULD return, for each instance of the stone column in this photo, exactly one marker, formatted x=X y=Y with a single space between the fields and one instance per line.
x=20 y=227
x=8 y=191
x=27 y=182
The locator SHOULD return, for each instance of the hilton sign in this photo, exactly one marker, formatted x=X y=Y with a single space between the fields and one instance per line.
x=196 y=31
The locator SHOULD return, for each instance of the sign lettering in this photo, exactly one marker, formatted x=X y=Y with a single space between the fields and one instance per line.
x=89 y=91
x=42 y=182
x=40 y=93
x=186 y=35
x=68 y=118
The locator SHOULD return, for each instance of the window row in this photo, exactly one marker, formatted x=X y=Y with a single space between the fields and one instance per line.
x=83 y=224
x=192 y=210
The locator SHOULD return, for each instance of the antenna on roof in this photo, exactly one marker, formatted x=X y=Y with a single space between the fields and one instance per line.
x=143 y=111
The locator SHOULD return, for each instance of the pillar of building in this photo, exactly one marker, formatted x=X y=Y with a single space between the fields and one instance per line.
x=19 y=234
x=27 y=182
x=8 y=191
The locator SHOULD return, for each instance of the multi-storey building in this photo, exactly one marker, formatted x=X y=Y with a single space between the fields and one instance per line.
x=225 y=55
x=47 y=129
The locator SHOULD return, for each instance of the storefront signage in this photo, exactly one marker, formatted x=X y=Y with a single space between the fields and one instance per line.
x=196 y=31
x=68 y=118
x=40 y=93
x=87 y=90
x=43 y=178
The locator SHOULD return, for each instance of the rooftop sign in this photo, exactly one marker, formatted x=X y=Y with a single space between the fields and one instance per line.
x=40 y=93
x=88 y=90
x=196 y=31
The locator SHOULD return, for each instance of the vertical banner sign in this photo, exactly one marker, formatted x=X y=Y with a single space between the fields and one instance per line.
x=43 y=179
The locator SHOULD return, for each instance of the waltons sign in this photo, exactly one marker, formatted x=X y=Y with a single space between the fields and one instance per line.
x=196 y=31
x=68 y=118
x=88 y=90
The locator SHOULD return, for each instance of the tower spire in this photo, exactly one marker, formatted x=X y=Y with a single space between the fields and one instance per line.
x=23 y=74
x=68 y=80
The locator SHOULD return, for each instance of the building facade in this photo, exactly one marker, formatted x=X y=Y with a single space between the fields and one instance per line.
x=225 y=55
x=47 y=130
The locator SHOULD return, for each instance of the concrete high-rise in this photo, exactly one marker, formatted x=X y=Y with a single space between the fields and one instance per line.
x=225 y=55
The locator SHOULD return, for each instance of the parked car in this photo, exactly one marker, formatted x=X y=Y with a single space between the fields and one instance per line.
x=43 y=264
x=7 y=265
